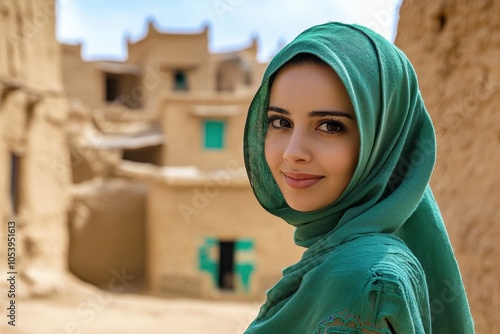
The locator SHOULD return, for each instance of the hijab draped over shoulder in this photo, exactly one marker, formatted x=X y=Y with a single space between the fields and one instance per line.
x=379 y=258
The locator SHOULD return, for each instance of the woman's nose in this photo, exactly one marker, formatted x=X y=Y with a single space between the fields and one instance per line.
x=297 y=150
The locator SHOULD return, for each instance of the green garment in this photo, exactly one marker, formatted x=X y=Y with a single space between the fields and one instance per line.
x=380 y=254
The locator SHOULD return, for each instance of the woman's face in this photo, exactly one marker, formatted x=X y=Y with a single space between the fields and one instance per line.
x=312 y=143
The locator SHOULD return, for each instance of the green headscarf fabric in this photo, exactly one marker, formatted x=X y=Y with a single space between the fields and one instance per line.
x=380 y=254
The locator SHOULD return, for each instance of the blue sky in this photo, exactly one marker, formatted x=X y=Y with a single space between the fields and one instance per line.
x=102 y=25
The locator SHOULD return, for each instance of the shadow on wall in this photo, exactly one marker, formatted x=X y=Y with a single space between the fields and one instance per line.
x=107 y=231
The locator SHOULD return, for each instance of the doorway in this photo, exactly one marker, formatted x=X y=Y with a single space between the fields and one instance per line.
x=226 y=265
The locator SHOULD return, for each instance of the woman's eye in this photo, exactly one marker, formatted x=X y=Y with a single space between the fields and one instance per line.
x=332 y=127
x=279 y=122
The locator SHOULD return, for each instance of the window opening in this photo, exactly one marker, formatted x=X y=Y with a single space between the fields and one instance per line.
x=15 y=164
x=112 y=91
x=180 y=80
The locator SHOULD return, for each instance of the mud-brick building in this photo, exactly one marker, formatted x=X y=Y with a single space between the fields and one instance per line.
x=207 y=234
x=159 y=62
x=200 y=231
x=119 y=93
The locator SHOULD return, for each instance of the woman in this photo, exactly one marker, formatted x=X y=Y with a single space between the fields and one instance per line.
x=338 y=143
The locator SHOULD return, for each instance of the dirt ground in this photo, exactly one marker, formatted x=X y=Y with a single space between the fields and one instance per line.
x=104 y=313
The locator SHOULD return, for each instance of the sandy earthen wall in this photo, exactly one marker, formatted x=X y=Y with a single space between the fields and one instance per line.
x=182 y=122
x=172 y=52
x=107 y=230
x=81 y=79
x=183 y=218
x=33 y=112
x=454 y=47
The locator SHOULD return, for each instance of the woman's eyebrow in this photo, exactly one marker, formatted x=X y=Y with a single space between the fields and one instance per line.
x=278 y=110
x=330 y=113
x=314 y=113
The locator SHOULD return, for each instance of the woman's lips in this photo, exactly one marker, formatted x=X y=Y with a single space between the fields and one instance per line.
x=301 y=180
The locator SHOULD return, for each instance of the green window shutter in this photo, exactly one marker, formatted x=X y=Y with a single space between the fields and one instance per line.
x=245 y=265
x=214 y=134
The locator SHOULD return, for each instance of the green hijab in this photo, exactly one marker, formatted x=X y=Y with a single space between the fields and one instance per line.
x=387 y=206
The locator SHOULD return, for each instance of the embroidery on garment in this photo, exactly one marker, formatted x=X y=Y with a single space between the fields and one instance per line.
x=343 y=322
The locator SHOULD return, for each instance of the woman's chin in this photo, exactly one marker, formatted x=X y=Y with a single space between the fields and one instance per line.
x=304 y=207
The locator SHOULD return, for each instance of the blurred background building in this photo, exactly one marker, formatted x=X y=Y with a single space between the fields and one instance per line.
x=159 y=182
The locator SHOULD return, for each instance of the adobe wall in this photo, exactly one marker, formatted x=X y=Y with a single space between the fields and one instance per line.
x=160 y=54
x=81 y=79
x=454 y=47
x=181 y=120
x=107 y=230
x=33 y=111
x=239 y=71
x=191 y=210
x=184 y=227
